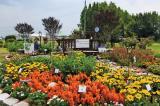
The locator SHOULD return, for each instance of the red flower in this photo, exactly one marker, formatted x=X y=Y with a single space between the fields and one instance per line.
x=16 y=85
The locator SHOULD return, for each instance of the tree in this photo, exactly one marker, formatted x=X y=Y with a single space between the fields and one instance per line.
x=24 y=29
x=76 y=34
x=52 y=26
x=10 y=38
x=107 y=17
x=130 y=42
x=146 y=25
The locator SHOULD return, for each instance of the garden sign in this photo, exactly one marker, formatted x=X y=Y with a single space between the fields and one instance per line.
x=82 y=43
x=28 y=48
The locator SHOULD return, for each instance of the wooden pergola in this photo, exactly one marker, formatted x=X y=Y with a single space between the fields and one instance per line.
x=71 y=44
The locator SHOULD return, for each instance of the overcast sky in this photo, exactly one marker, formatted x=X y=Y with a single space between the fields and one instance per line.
x=67 y=11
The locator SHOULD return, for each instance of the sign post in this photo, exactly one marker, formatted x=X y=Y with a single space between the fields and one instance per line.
x=82 y=43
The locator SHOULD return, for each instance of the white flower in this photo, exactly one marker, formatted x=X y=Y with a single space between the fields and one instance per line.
x=54 y=97
x=22 y=94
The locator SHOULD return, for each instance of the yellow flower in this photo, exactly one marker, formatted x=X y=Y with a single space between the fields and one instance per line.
x=154 y=93
x=146 y=92
x=138 y=96
x=130 y=98
x=123 y=91
x=158 y=92
x=131 y=91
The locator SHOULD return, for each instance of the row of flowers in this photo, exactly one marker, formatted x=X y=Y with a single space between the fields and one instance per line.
x=136 y=88
x=107 y=84
x=50 y=84
x=14 y=72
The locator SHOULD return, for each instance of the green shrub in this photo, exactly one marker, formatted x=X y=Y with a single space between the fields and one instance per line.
x=5 y=82
x=123 y=57
x=154 y=69
x=29 y=59
x=49 y=46
x=157 y=55
x=55 y=101
x=144 y=42
x=10 y=37
x=130 y=42
x=1 y=43
x=14 y=46
x=7 y=89
x=37 y=99
x=21 y=92
x=73 y=64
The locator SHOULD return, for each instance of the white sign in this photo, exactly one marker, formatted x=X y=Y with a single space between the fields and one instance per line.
x=148 y=87
x=20 y=70
x=28 y=48
x=52 y=84
x=101 y=50
x=82 y=43
x=82 y=88
x=56 y=71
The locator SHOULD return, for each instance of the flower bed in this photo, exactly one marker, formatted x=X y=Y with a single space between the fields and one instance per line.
x=84 y=82
x=51 y=85
x=136 y=88
x=13 y=71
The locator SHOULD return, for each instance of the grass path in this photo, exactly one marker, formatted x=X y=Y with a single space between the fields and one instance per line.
x=155 y=47
x=3 y=53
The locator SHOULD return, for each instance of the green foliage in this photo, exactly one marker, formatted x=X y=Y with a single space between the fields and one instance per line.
x=57 y=102
x=52 y=26
x=155 y=47
x=37 y=99
x=5 y=82
x=144 y=42
x=14 y=46
x=10 y=38
x=7 y=89
x=123 y=57
x=74 y=64
x=50 y=46
x=103 y=15
x=29 y=59
x=1 y=43
x=146 y=25
x=21 y=93
x=154 y=69
x=130 y=42
x=112 y=21
x=76 y=34
x=157 y=55
x=24 y=28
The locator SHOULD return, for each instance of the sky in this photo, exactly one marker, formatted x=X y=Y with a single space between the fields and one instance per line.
x=67 y=11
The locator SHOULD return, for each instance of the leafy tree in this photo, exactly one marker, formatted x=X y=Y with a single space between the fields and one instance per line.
x=115 y=22
x=146 y=25
x=144 y=42
x=24 y=29
x=112 y=21
x=52 y=26
x=76 y=34
x=10 y=37
x=130 y=42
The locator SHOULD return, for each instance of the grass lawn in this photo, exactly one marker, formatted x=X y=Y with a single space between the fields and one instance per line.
x=155 y=47
x=3 y=53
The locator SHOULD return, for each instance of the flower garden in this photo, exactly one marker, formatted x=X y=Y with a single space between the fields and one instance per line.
x=77 y=80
